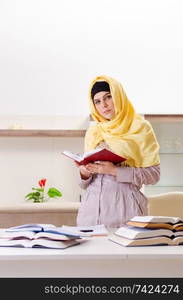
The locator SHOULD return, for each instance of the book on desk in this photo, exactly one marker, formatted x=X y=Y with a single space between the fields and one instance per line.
x=149 y=231
x=95 y=230
x=39 y=236
x=167 y=222
x=48 y=235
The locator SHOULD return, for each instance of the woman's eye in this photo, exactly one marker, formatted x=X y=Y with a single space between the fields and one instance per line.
x=97 y=102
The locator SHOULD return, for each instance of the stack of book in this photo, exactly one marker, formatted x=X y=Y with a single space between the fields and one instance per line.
x=40 y=236
x=149 y=231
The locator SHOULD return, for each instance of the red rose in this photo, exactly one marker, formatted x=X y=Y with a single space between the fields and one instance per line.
x=42 y=182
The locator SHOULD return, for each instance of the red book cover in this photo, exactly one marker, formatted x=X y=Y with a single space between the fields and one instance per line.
x=100 y=154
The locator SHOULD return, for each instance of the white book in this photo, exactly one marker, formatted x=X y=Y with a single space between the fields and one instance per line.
x=155 y=219
x=153 y=241
x=131 y=232
x=38 y=243
x=31 y=227
x=139 y=236
x=31 y=235
x=97 y=230
x=167 y=222
x=47 y=228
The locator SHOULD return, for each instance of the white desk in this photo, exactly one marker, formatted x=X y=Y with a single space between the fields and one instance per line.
x=97 y=257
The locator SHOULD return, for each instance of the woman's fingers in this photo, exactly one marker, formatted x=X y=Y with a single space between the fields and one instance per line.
x=94 y=168
x=105 y=168
x=100 y=163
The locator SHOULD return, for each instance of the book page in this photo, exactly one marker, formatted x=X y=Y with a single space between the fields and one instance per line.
x=42 y=243
x=86 y=154
x=52 y=236
x=14 y=243
x=158 y=219
x=30 y=227
x=52 y=244
x=142 y=242
x=178 y=240
x=30 y=235
x=140 y=232
x=78 y=157
x=87 y=230
x=64 y=231
x=178 y=226
x=17 y=234
x=178 y=233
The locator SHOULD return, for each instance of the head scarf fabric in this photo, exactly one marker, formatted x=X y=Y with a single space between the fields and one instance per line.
x=127 y=133
x=99 y=86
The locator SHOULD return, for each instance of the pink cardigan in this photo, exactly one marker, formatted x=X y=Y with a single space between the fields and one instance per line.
x=111 y=200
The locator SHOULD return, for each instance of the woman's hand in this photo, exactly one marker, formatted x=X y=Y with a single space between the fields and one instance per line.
x=102 y=167
x=85 y=174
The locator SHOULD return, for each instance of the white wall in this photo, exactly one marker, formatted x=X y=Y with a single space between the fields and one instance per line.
x=24 y=161
x=49 y=52
x=51 y=49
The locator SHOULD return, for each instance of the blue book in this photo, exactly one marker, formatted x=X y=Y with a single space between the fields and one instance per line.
x=47 y=228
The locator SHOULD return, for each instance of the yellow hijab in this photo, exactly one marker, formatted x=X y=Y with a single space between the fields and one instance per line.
x=127 y=133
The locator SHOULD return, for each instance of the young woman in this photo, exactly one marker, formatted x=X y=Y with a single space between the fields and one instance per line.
x=113 y=192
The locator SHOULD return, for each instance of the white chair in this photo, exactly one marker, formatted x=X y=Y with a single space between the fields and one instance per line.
x=166 y=204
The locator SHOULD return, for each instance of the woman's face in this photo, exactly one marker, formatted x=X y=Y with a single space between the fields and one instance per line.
x=104 y=104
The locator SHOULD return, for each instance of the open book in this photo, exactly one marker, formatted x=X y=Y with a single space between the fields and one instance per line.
x=139 y=236
x=38 y=243
x=167 y=222
x=31 y=227
x=39 y=235
x=149 y=231
x=131 y=232
x=94 y=156
x=151 y=241
x=31 y=235
x=45 y=230
x=42 y=229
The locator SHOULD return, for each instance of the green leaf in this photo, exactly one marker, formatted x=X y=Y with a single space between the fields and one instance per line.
x=37 y=189
x=32 y=198
x=53 y=192
x=36 y=196
x=28 y=195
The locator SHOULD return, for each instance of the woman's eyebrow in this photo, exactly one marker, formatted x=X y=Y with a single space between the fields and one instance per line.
x=102 y=96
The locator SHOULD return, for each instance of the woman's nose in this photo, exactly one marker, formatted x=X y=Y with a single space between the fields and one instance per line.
x=104 y=103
